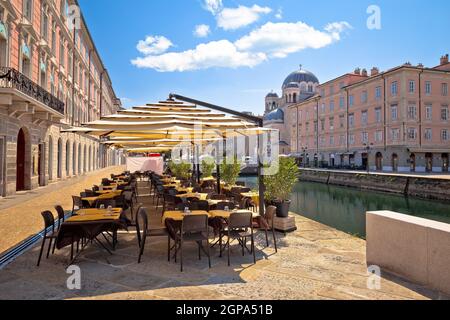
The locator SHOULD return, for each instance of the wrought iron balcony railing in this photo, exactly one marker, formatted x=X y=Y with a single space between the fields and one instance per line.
x=13 y=79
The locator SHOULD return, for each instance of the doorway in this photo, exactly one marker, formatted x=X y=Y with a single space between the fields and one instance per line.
x=445 y=162
x=20 y=161
x=395 y=162
x=412 y=162
x=41 y=164
x=379 y=161
x=365 y=161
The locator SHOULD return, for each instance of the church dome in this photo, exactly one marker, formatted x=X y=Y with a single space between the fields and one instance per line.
x=298 y=77
x=272 y=95
x=275 y=115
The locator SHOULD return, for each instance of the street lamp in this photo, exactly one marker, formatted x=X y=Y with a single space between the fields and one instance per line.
x=368 y=147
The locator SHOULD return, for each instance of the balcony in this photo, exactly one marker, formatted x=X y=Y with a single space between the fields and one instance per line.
x=22 y=89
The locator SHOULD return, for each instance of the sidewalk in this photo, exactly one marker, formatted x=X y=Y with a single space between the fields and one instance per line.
x=20 y=215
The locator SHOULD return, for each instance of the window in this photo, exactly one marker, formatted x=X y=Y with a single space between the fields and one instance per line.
x=394 y=112
x=44 y=22
x=365 y=137
x=444 y=89
x=444 y=113
x=331 y=90
x=351 y=101
x=351 y=120
x=378 y=136
x=412 y=112
x=331 y=140
x=322 y=108
x=54 y=38
x=378 y=93
x=332 y=106
x=394 y=88
x=364 y=118
x=331 y=124
x=351 y=139
x=429 y=112
x=341 y=140
x=395 y=134
x=428 y=134
x=341 y=102
x=341 y=84
x=28 y=9
x=412 y=133
x=412 y=86
x=444 y=135
x=428 y=87
x=378 y=115
x=62 y=57
x=322 y=124
x=364 y=97
x=341 y=121
x=322 y=92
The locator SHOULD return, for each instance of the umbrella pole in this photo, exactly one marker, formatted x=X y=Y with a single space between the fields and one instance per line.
x=260 y=179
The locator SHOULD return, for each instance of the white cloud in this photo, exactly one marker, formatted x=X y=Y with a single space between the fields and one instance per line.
x=272 y=40
x=202 y=31
x=280 y=39
x=279 y=14
x=235 y=18
x=154 y=45
x=206 y=55
x=213 y=6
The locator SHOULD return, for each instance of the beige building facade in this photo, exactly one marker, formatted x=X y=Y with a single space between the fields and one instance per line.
x=51 y=78
x=394 y=121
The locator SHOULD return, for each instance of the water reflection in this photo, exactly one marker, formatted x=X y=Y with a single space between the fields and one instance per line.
x=344 y=208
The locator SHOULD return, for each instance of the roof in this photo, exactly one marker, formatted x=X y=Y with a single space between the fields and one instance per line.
x=299 y=76
x=275 y=115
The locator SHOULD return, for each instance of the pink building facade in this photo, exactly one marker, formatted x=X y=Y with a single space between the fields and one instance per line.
x=51 y=78
x=394 y=121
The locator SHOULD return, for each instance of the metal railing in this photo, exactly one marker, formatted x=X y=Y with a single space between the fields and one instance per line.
x=13 y=79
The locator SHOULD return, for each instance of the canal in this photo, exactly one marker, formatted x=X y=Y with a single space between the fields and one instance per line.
x=345 y=208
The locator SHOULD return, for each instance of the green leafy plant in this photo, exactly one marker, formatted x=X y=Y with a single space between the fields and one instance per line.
x=279 y=186
x=207 y=166
x=180 y=170
x=229 y=171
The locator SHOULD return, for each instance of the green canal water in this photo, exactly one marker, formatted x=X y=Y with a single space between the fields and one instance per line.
x=345 y=208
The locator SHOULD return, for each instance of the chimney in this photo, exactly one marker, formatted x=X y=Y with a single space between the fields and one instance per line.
x=420 y=65
x=358 y=71
x=375 y=71
x=408 y=64
x=364 y=72
x=444 y=59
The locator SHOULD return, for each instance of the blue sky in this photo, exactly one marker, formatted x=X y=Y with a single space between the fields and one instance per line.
x=246 y=52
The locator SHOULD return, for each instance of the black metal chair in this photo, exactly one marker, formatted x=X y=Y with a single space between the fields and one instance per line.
x=202 y=205
x=143 y=231
x=191 y=205
x=240 y=227
x=49 y=222
x=266 y=223
x=106 y=203
x=223 y=205
x=77 y=204
x=194 y=228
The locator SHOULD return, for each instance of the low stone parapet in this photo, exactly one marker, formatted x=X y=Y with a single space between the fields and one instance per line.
x=413 y=248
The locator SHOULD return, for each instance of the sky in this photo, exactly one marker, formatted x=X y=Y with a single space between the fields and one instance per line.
x=233 y=52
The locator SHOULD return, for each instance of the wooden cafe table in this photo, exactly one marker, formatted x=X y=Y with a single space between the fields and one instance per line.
x=200 y=196
x=106 y=196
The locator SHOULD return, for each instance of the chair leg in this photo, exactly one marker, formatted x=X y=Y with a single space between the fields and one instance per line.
x=228 y=244
x=253 y=249
x=267 y=236
x=220 y=245
x=209 y=255
x=168 y=248
x=243 y=242
x=181 y=255
x=274 y=240
x=49 y=247
x=199 y=244
x=40 y=253
x=54 y=247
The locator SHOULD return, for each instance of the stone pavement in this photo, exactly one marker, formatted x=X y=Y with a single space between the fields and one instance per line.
x=315 y=262
x=20 y=215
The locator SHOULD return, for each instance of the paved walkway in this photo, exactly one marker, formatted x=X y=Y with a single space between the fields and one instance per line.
x=399 y=174
x=315 y=262
x=20 y=215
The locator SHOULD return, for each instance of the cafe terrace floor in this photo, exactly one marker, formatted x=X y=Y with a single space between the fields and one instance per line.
x=314 y=262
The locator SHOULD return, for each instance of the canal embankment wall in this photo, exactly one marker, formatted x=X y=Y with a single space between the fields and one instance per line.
x=413 y=186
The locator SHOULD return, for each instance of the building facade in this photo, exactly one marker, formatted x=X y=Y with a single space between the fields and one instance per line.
x=395 y=121
x=299 y=86
x=51 y=78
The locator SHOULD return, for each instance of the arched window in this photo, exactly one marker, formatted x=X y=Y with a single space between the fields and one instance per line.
x=294 y=98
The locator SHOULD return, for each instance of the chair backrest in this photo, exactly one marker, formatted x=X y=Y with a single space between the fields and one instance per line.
x=194 y=223
x=49 y=220
x=83 y=195
x=197 y=189
x=218 y=197
x=105 y=182
x=95 y=188
x=142 y=224
x=105 y=202
x=236 y=190
x=89 y=193
x=270 y=214
x=202 y=205
x=77 y=202
x=61 y=213
x=222 y=205
x=240 y=220
x=128 y=196
x=240 y=183
x=244 y=190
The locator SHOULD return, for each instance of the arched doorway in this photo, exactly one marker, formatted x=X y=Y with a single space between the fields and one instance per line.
x=60 y=157
x=445 y=162
x=79 y=159
x=429 y=162
x=412 y=162
x=379 y=161
x=394 y=162
x=41 y=164
x=84 y=159
x=20 y=161
x=50 y=158
x=67 y=158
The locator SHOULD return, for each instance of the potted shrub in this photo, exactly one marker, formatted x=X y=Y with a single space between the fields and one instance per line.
x=180 y=170
x=229 y=171
x=207 y=167
x=279 y=186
